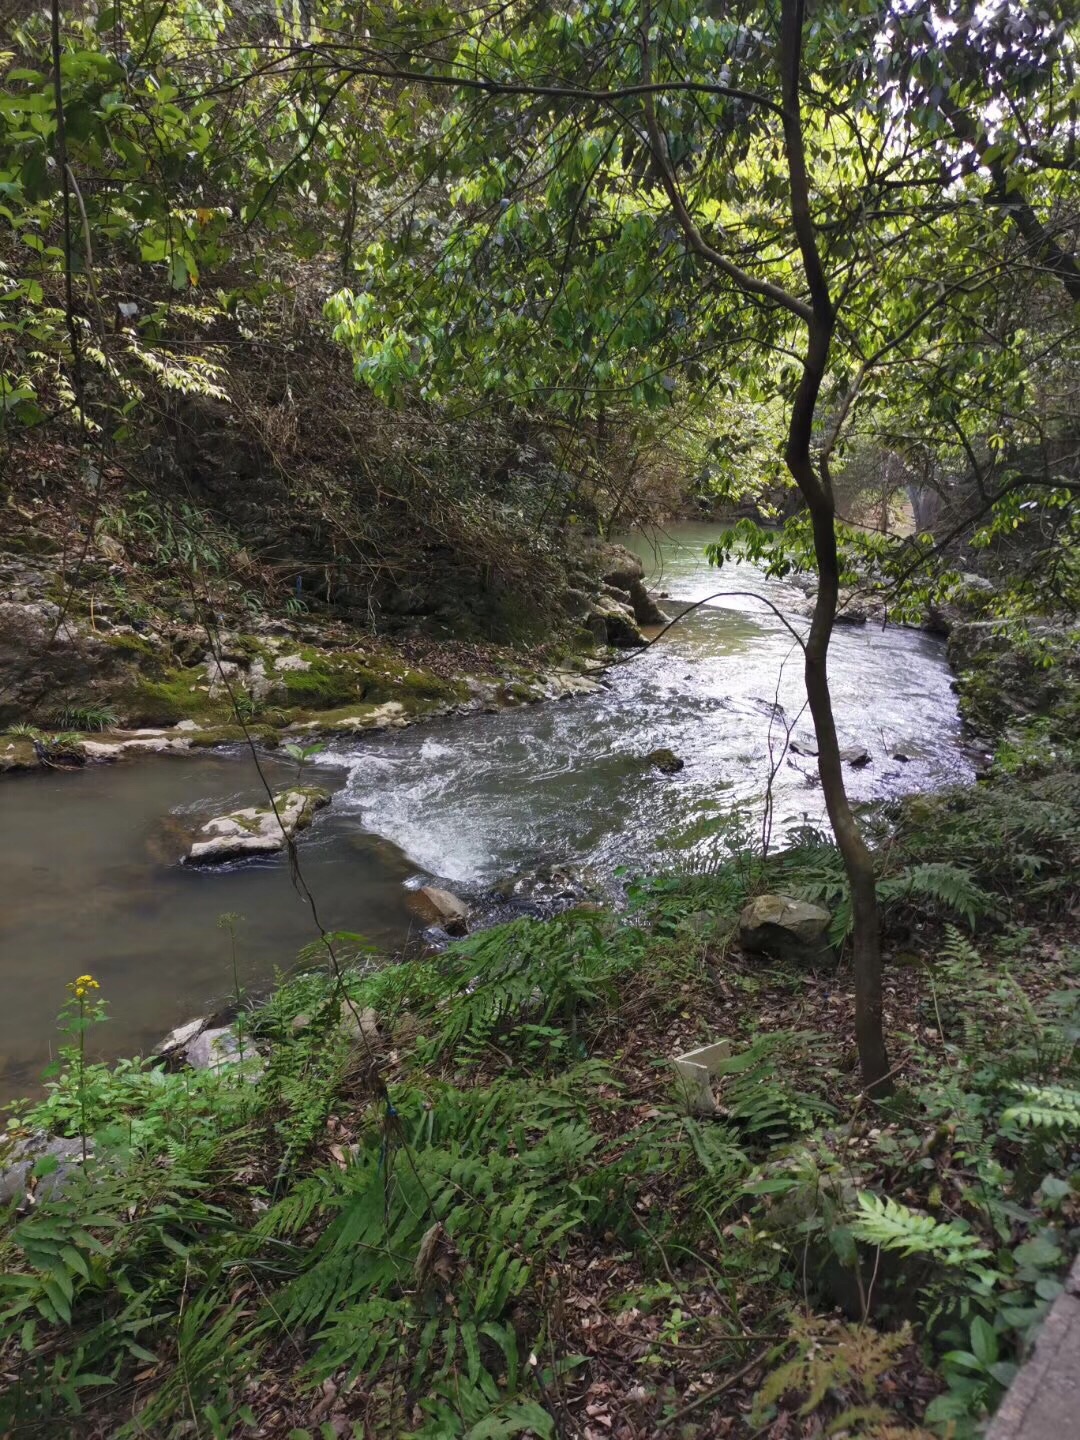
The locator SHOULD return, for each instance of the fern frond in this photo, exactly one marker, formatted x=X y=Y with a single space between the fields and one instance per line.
x=894 y=1226
x=1044 y=1107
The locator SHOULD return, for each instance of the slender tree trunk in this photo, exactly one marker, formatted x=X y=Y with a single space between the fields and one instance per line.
x=816 y=488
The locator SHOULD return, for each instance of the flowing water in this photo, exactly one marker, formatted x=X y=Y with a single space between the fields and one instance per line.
x=90 y=882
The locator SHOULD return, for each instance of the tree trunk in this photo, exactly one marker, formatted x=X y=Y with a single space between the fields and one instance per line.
x=816 y=489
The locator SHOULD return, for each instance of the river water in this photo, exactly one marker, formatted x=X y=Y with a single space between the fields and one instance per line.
x=91 y=885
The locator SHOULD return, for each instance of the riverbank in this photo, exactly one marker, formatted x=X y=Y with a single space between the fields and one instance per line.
x=471 y=1191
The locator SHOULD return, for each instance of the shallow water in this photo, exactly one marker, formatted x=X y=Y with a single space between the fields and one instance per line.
x=90 y=882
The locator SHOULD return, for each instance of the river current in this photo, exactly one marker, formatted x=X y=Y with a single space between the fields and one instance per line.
x=88 y=886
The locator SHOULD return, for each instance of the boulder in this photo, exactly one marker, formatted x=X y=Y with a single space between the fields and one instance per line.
x=850 y=610
x=219 y=1049
x=17 y=1164
x=646 y=610
x=440 y=907
x=786 y=928
x=615 y=623
x=256 y=830
x=665 y=760
x=179 y=1039
x=619 y=566
x=856 y=756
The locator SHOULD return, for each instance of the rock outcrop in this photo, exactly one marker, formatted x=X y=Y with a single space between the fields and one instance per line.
x=788 y=929
x=256 y=830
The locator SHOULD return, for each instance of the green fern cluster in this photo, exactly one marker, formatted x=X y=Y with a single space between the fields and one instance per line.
x=1044 y=1107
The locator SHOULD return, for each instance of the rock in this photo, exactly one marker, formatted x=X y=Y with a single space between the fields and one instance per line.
x=619 y=566
x=857 y=756
x=220 y=1048
x=646 y=610
x=441 y=907
x=850 y=610
x=300 y=1023
x=619 y=627
x=786 y=928
x=804 y=742
x=363 y=1026
x=666 y=761
x=696 y=1070
x=16 y=1180
x=256 y=830
x=180 y=1038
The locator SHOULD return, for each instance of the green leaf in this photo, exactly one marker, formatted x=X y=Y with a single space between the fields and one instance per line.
x=984 y=1342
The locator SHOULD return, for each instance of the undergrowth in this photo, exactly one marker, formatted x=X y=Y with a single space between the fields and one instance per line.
x=495 y=1210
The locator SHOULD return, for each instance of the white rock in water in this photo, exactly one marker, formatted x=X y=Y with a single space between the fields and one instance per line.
x=256 y=830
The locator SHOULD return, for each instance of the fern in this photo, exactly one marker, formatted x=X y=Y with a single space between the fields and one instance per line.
x=1044 y=1107
x=893 y=1226
x=950 y=886
x=831 y=1359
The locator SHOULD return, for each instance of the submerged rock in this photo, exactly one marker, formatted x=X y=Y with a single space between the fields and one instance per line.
x=789 y=929
x=256 y=830
x=665 y=760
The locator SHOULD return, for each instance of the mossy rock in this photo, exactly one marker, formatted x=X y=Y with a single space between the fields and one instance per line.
x=18 y=753
x=178 y=695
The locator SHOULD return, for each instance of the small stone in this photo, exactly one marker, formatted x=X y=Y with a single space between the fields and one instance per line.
x=361 y=1026
x=300 y=1022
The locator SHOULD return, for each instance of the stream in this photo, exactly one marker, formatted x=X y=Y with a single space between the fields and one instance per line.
x=88 y=885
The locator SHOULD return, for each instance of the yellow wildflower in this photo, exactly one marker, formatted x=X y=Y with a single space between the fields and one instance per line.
x=81 y=986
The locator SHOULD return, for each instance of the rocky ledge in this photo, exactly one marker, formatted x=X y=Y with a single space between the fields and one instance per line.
x=256 y=830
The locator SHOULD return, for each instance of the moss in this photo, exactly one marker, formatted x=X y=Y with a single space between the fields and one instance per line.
x=135 y=644
x=18 y=753
x=178 y=695
x=341 y=678
x=211 y=736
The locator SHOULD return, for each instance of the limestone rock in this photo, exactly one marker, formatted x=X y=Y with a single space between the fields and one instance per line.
x=441 y=907
x=789 y=929
x=16 y=1166
x=219 y=1048
x=646 y=610
x=180 y=1038
x=256 y=830
x=619 y=566
x=613 y=623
